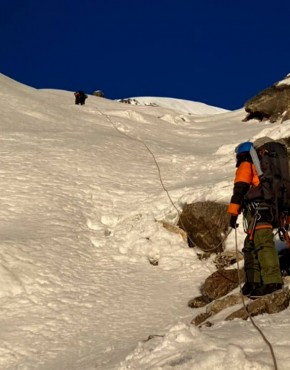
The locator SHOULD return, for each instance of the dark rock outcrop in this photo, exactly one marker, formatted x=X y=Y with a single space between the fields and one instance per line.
x=227 y=258
x=206 y=224
x=217 y=299
x=217 y=285
x=99 y=93
x=216 y=307
x=271 y=303
x=199 y=301
x=221 y=283
x=271 y=104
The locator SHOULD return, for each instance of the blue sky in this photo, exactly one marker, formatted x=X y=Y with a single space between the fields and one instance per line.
x=217 y=52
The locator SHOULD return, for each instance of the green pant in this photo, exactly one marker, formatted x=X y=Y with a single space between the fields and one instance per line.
x=261 y=257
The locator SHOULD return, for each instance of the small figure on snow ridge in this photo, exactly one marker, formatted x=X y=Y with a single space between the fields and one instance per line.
x=80 y=97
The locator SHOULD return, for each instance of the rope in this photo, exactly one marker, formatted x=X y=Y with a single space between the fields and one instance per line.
x=215 y=247
x=156 y=164
x=249 y=314
x=151 y=153
x=236 y=239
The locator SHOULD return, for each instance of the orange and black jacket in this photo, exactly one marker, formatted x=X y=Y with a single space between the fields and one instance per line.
x=246 y=178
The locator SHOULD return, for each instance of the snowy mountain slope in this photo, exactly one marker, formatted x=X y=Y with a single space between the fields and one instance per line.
x=81 y=198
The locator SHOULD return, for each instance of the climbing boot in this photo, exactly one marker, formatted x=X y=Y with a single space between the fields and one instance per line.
x=265 y=289
x=247 y=288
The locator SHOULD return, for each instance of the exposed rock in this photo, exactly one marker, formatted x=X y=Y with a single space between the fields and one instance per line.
x=129 y=101
x=203 y=256
x=227 y=258
x=134 y=101
x=206 y=224
x=217 y=285
x=216 y=307
x=271 y=303
x=198 y=302
x=220 y=304
x=221 y=283
x=216 y=299
x=199 y=319
x=272 y=104
x=99 y=93
x=153 y=261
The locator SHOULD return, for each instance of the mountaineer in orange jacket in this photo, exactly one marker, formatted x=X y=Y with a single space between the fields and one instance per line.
x=261 y=262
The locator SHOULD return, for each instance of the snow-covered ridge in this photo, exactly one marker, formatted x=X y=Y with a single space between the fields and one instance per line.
x=179 y=105
x=285 y=81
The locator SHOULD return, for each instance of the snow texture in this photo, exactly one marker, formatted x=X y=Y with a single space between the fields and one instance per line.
x=83 y=192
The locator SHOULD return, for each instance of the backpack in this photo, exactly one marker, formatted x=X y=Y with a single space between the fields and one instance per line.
x=274 y=177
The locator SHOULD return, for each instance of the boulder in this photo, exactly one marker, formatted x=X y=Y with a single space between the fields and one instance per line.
x=206 y=224
x=99 y=93
x=221 y=282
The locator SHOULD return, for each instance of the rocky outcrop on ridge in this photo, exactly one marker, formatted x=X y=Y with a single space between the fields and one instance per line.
x=271 y=104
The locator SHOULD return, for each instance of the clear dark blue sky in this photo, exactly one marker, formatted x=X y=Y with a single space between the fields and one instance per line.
x=217 y=52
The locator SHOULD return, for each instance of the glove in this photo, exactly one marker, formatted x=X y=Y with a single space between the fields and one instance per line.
x=233 y=222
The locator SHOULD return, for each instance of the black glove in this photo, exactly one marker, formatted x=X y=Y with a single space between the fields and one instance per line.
x=233 y=222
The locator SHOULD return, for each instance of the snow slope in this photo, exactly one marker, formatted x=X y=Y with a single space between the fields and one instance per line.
x=179 y=105
x=81 y=204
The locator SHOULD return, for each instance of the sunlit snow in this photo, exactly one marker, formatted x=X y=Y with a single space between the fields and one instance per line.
x=83 y=192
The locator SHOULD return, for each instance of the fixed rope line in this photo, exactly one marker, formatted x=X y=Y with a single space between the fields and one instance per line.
x=248 y=313
x=236 y=238
x=160 y=177
x=151 y=153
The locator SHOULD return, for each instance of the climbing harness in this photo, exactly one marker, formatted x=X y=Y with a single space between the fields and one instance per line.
x=255 y=209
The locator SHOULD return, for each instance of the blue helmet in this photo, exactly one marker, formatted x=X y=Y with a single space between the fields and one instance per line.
x=243 y=147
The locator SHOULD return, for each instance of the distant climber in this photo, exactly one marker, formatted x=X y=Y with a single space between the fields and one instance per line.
x=80 y=97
